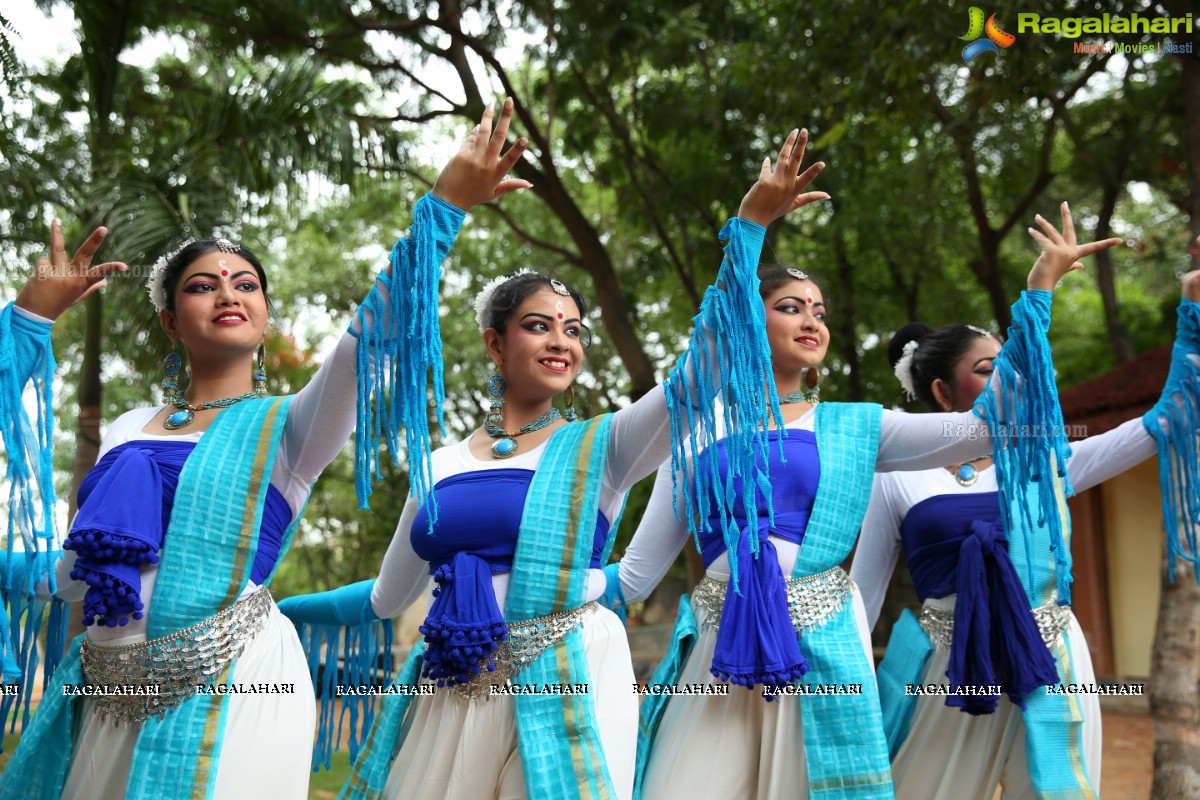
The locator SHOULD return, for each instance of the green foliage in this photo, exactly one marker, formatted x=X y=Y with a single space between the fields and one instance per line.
x=649 y=121
x=9 y=64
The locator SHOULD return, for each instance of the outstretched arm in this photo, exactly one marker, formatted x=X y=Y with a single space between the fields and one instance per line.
x=323 y=413
x=924 y=441
x=878 y=547
x=400 y=340
x=656 y=543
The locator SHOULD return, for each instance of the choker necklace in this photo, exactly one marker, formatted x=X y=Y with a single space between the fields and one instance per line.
x=187 y=412
x=965 y=473
x=506 y=441
x=807 y=396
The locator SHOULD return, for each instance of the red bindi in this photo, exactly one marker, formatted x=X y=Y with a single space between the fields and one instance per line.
x=224 y=273
x=560 y=315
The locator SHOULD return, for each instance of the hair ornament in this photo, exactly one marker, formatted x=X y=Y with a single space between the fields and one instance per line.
x=485 y=294
x=798 y=274
x=227 y=246
x=904 y=369
x=155 y=283
x=559 y=287
x=980 y=331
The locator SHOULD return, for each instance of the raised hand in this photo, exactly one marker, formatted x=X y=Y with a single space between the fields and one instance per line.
x=478 y=171
x=59 y=284
x=1060 y=253
x=778 y=191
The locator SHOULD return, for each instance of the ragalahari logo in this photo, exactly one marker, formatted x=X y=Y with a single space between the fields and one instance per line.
x=996 y=38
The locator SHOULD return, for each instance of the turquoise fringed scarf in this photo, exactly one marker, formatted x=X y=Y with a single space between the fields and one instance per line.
x=846 y=753
x=845 y=748
x=728 y=356
x=400 y=343
x=1029 y=444
x=206 y=562
x=1030 y=455
x=27 y=354
x=558 y=735
x=1173 y=422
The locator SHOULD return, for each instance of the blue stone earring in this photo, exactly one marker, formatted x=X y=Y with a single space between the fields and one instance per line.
x=170 y=382
x=495 y=388
x=569 y=413
x=260 y=372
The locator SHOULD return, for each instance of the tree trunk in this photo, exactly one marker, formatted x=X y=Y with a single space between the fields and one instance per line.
x=1174 y=698
x=1174 y=691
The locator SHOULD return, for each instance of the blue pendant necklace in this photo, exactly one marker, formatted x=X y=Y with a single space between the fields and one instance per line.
x=506 y=441
x=187 y=412
x=965 y=473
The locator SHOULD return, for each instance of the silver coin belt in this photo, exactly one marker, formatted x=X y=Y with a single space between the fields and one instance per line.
x=1052 y=619
x=526 y=641
x=812 y=601
x=172 y=667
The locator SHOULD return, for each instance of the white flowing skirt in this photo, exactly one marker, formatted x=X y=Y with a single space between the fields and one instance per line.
x=267 y=749
x=738 y=746
x=951 y=755
x=459 y=749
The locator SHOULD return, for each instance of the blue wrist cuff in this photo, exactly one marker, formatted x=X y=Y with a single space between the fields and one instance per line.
x=346 y=605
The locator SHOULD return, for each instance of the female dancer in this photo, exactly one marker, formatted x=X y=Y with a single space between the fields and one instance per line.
x=784 y=565
x=978 y=585
x=525 y=508
x=181 y=525
x=26 y=576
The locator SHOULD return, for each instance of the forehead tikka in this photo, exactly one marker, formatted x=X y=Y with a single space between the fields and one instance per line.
x=559 y=287
x=227 y=246
x=799 y=275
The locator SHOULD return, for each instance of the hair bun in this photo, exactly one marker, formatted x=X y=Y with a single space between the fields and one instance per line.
x=912 y=332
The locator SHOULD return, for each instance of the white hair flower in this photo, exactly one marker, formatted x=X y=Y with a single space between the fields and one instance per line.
x=485 y=295
x=155 y=283
x=904 y=369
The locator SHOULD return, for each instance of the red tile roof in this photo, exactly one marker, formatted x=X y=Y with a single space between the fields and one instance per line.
x=1121 y=394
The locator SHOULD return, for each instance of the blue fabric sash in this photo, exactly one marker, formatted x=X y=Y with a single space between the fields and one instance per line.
x=845 y=749
x=206 y=562
x=369 y=771
x=119 y=528
x=756 y=643
x=956 y=544
x=464 y=625
x=558 y=736
x=844 y=743
x=1054 y=736
x=903 y=665
x=650 y=712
